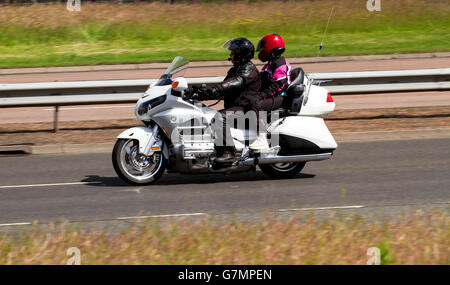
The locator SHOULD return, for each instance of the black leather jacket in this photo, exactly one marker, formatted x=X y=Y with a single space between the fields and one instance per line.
x=239 y=88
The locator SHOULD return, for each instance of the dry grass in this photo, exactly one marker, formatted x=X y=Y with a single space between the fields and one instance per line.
x=410 y=239
x=223 y=13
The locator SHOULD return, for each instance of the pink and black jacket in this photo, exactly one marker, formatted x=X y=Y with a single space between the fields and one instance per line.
x=275 y=78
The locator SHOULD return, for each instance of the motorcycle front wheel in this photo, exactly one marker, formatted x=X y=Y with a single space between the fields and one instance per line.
x=282 y=170
x=135 y=168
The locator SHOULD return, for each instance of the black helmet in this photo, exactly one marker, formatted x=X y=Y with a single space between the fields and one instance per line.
x=243 y=49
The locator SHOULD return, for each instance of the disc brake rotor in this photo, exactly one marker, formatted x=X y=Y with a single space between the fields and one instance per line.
x=137 y=165
x=140 y=161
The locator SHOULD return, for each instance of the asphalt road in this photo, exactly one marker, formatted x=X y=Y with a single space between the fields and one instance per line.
x=361 y=175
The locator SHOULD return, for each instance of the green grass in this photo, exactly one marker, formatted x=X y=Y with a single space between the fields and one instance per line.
x=48 y=35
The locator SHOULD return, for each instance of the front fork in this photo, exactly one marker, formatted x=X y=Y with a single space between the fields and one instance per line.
x=150 y=148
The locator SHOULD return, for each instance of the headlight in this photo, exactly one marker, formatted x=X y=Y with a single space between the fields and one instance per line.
x=144 y=107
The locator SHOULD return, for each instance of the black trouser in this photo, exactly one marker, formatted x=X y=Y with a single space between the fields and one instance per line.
x=267 y=104
x=224 y=140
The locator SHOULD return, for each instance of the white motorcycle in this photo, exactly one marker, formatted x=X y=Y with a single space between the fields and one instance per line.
x=178 y=133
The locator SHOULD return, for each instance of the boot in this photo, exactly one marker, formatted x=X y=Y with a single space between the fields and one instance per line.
x=227 y=155
x=260 y=143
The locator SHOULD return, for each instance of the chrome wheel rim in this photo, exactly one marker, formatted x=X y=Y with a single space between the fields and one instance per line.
x=285 y=166
x=138 y=166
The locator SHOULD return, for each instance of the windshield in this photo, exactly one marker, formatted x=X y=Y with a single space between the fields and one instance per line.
x=177 y=68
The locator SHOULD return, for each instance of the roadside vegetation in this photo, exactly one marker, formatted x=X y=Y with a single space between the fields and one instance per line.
x=414 y=238
x=101 y=33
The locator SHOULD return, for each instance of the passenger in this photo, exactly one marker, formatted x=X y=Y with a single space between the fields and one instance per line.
x=275 y=75
x=275 y=78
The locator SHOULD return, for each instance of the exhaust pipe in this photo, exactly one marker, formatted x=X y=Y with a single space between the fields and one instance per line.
x=289 y=158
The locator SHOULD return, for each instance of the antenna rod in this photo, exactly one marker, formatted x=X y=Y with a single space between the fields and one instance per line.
x=323 y=38
x=320 y=49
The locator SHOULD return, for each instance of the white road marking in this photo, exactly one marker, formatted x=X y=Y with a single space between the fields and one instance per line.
x=48 y=184
x=321 y=208
x=132 y=190
x=14 y=224
x=86 y=108
x=160 y=216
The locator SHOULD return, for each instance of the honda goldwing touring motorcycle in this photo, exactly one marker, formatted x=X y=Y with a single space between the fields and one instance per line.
x=179 y=136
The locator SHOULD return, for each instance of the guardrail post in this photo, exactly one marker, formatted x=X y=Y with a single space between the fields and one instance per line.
x=55 y=120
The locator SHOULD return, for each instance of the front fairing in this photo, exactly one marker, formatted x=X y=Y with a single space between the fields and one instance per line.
x=152 y=93
x=162 y=87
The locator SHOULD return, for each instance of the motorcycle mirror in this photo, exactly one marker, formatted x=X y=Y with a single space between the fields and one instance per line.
x=179 y=84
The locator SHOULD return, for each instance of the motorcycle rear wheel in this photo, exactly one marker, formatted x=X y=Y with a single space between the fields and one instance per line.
x=134 y=168
x=282 y=170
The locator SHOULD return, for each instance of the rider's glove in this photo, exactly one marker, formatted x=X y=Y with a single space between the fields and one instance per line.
x=196 y=96
x=212 y=92
x=201 y=93
x=266 y=77
x=188 y=93
x=193 y=92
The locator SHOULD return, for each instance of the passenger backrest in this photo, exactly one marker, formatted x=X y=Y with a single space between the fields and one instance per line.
x=297 y=76
x=294 y=92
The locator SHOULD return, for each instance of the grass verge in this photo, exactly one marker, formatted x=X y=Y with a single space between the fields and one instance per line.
x=49 y=35
x=409 y=239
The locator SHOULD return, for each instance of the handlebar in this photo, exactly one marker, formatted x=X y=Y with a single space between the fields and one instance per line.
x=195 y=92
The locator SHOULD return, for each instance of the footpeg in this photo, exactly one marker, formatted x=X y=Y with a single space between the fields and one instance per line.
x=268 y=152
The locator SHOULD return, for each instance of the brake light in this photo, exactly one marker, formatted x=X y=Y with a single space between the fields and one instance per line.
x=175 y=84
x=329 y=98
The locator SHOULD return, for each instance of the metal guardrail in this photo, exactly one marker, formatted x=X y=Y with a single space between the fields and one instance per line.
x=128 y=91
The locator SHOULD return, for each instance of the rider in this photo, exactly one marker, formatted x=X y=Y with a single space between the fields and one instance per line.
x=275 y=78
x=239 y=90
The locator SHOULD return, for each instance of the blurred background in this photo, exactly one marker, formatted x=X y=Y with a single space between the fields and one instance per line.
x=386 y=186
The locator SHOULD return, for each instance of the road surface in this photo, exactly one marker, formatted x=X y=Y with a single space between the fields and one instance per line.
x=360 y=176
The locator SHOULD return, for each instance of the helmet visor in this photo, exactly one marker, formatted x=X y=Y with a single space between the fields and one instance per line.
x=227 y=44
x=261 y=45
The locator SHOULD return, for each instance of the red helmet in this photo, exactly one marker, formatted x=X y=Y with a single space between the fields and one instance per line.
x=270 y=46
